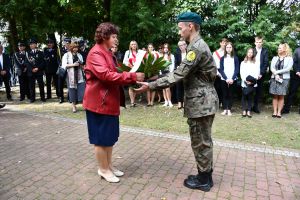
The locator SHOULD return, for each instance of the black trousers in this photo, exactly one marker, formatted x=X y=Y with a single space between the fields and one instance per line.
x=227 y=92
x=294 y=85
x=32 y=80
x=61 y=83
x=258 y=92
x=180 y=91
x=247 y=101
x=49 y=79
x=218 y=87
x=5 y=79
x=24 y=86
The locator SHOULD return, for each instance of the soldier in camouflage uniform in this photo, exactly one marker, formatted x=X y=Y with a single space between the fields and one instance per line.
x=198 y=71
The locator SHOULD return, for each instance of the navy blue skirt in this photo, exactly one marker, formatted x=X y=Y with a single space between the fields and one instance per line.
x=103 y=130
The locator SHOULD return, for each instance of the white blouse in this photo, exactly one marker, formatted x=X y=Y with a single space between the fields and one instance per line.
x=68 y=59
x=128 y=55
x=249 y=69
x=228 y=66
x=172 y=65
x=217 y=59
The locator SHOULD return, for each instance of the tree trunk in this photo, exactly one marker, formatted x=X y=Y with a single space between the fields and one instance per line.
x=13 y=33
x=106 y=7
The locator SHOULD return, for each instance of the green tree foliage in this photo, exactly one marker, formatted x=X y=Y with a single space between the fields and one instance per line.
x=153 y=21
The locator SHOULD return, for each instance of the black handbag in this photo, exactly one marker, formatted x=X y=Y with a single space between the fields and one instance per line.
x=61 y=72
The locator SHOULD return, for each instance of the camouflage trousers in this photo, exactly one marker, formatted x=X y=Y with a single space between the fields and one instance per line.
x=201 y=142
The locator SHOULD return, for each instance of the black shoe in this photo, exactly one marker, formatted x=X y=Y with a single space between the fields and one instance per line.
x=256 y=110
x=2 y=105
x=210 y=178
x=22 y=99
x=49 y=97
x=9 y=98
x=200 y=183
x=285 y=111
x=61 y=101
x=43 y=100
x=32 y=101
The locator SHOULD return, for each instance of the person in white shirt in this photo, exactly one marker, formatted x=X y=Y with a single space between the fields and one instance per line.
x=262 y=61
x=151 y=93
x=169 y=57
x=72 y=61
x=229 y=69
x=249 y=68
x=217 y=55
x=129 y=60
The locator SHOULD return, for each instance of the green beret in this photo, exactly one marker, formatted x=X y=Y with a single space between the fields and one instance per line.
x=189 y=17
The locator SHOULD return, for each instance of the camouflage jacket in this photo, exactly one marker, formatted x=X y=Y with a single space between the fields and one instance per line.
x=198 y=71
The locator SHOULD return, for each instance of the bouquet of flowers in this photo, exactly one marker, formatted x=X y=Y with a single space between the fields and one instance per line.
x=151 y=64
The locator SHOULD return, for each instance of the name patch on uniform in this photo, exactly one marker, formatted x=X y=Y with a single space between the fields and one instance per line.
x=191 y=56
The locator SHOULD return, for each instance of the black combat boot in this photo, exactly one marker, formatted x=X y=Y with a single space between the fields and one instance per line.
x=200 y=183
x=210 y=177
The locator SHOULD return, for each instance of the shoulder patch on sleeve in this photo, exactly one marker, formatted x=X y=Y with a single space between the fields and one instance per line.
x=191 y=56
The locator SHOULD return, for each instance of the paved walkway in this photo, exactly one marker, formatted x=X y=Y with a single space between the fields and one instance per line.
x=43 y=157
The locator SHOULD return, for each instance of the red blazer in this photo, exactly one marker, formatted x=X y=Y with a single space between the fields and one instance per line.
x=102 y=92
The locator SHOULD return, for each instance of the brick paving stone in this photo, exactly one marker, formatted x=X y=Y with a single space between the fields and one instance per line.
x=38 y=163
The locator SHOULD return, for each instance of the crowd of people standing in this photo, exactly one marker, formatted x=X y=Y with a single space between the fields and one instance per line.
x=57 y=66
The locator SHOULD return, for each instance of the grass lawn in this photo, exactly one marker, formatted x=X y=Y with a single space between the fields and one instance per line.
x=260 y=129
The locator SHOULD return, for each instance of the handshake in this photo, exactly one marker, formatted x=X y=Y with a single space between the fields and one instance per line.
x=140 y=77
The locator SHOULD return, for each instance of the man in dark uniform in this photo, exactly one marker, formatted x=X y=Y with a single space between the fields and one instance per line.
x=35 y=70
x=5 y=67
x=61 y=80
x=83 y=50
x=21 y=69
x=294 y=83
x=198 y=72
x=51 y=62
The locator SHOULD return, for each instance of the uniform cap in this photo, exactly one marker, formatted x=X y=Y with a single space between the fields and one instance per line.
x=81 y=43
x=50 y=40
x=189 y=17
x=21 y=43
x=32 y=41
x=67 y=39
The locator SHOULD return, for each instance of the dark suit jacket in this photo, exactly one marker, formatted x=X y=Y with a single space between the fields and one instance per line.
x=296 y=59
x=264 y=60
x=38 y=62
x=51 y=60
x=236 y=68
x=6 y=65
x=178 y=58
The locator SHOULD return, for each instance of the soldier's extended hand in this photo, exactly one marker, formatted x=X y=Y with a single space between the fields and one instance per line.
x=144 y=88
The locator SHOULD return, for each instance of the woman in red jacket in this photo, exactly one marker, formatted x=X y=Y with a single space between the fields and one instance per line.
x=102 y=98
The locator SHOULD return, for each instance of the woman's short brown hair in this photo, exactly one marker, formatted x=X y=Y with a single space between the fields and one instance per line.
x=73 y=45
x=104 y=31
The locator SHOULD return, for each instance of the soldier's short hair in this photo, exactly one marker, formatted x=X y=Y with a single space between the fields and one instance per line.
x=197 y=26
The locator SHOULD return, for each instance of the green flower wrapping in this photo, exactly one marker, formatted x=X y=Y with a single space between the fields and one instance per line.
x=151 y=65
